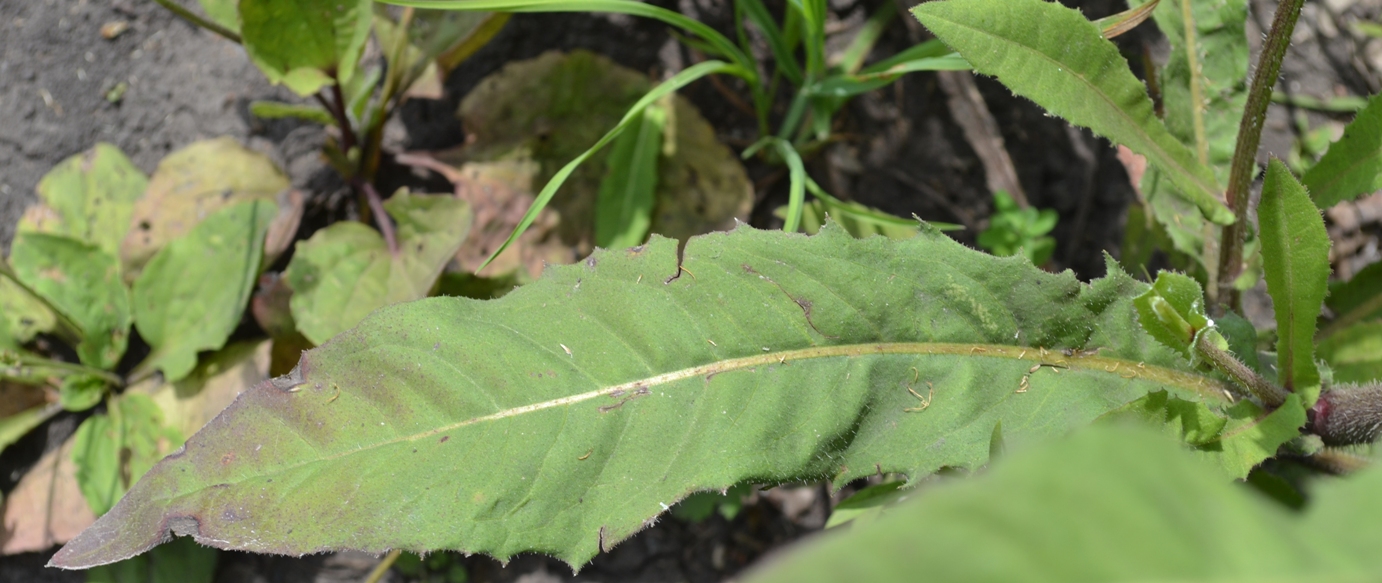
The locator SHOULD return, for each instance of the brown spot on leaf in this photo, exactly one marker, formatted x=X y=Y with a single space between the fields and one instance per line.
x=444 y=438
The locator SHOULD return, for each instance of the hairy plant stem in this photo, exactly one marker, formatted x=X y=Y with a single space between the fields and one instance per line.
x=1244 y=164
x=1271 y=395
x=187 y=15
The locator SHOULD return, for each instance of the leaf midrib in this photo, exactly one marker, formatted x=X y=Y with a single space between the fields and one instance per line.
x=1206 y=387
x=1211 y=192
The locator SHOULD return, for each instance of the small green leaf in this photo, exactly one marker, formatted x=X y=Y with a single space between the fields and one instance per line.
x=1187 y=421
x=1353 y=165
x=81 y=392
x=113 y=449
x=1355 y=353
x=624 y=206
x=1242 y=339
x=1295 y=253
x=1074 y=73
x=1110 y=505
x=305 y=44
x=89 y=197
x=1172 y=311
x=192 y=294
x=278 y=110
x=83 y=282
x=868 y=504
x=345 y=271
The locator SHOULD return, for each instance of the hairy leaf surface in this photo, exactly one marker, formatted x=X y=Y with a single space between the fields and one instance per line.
x=1058 y=59
x=345 y=271
x=1106 y=505
x=1295 y=253
x=567 y=415
x=1353 y=165
x=192 y=294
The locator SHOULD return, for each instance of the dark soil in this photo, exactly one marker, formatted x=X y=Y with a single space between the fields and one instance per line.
x=902 y=151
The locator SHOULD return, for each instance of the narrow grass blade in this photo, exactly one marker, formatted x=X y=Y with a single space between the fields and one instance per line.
x=677 y=81
x=785 y=59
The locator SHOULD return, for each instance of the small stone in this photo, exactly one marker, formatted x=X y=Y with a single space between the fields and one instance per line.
x=114 y=28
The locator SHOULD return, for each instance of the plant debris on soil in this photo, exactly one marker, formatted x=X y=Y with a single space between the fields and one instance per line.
x=77 y=72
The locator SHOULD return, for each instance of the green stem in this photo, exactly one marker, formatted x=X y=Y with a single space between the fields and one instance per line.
x=22 y=359
x=1244 y=165
x=199 y=21
x=1271 y=395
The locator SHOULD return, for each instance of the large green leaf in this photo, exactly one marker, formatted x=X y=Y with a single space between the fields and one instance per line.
x=1353 y=165
x=305 y=44
x=1055 y=57
x=83 y=282
x=565 y=416
x=345 y=271
x=192 y=294
x=88 y=197
x=1107 y=505
x=1295 y=254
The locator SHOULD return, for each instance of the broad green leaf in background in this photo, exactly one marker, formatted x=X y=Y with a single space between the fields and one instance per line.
x=83 y=282
x=1354 y=353
x=113 y=449
x=1295 y=253
x=1105 y=505
x=1353 y=165
x=89 y=197
x=190 y=403
x=1054 y=56
x=222 y=12
x=1356 y=300
x=190 y=185
x=345 y=271
x=305 y=44
x=80 y=392
x=565 y=415
x=624 y=206
x=192 y=294
x=24 y=315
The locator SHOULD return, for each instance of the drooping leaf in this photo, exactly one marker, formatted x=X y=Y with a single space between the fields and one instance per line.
x=113 y=449
x=563 y=416
x=1353 y=165
x=83 y=282
x=1295 y=253
x=89 y=197
x=192 y=294
x=1106 y=505
x=1355 y=353
x=1055 y=57
x=190 y=185
x=305 y=44
x=624 y=205
x=345 y=271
